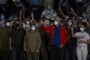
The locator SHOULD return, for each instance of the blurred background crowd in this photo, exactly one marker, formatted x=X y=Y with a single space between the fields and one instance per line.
x=18 y=18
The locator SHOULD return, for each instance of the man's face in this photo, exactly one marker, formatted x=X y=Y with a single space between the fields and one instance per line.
x=57 y=19
x=7 y=24
x=56 y=23
x=17 y=22
x=51 y=23
x=84 y=14
x=46 y=22
x=15 y=17
x=69 y=23
x=49 y=7
x=33 y=28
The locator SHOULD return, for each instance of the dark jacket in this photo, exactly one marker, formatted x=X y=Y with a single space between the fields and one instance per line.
x=17 y=38
x=32 y=41
x=4 y=38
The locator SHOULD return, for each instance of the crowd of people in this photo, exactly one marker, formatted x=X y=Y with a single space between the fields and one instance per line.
x=47 y=31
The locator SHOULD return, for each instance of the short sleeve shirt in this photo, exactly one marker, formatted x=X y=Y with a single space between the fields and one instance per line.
x=82 y=36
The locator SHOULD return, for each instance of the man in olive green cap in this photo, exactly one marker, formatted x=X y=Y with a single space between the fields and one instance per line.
x=32 y=43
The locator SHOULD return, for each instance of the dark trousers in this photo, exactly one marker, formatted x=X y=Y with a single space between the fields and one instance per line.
x=73 y=53
x=56 y=53
x=32 y=56
x=66 y=53
x=17 y=54
x=4 y=55
x=44 y=53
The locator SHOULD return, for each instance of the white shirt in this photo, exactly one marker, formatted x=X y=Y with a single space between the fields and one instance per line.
x=82 y=36
x=49 y=13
